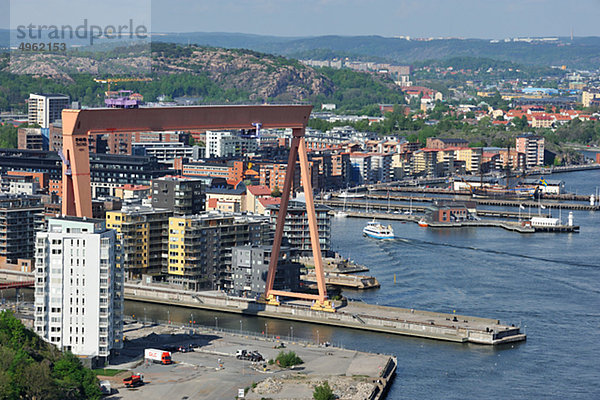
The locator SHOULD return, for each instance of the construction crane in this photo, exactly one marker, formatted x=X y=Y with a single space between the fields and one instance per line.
x=116 y=80
x=77 y=196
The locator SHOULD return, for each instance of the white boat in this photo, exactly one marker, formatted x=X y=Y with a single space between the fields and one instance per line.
x=351 y=195
x=341 y=213
x=378 y=231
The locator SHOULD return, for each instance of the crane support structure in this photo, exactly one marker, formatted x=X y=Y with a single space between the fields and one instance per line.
x=78 y=124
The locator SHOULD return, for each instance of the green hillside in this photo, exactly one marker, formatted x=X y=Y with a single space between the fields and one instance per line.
x=33 y=369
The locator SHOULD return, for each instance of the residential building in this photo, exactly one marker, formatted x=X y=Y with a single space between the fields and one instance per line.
x=250 y=266
x=79 y=289
x=425 y=162
x=589 y=95
x=45 y=108
x=444 y=143
x=471 y=156
x=254 y=193
x=167 y=153
x=31 y=139
x=226 y=198
x=272 y=174
x=141 y=232
x=360 y=168
x=184 y=196
x=381 y=167
x=532 y=146
x=228 y=144
x=296 y=231
x=109 y=171
x=133 y=193
x=231 y=170
x=541 y=121
x=199 y=254
x=20 y=184
x=21 y=216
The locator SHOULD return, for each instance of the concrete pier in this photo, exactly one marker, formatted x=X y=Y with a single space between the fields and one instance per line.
x=357 y=315
x=344 y=280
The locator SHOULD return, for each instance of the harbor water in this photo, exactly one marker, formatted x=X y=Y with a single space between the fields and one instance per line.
x=549 y=283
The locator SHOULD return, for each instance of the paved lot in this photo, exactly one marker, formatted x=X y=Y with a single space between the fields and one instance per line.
x=213 y=372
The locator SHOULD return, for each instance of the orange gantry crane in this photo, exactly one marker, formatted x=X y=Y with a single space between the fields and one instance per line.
x=77 y=197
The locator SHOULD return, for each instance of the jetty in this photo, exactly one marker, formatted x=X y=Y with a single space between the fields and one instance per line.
x=349 y=314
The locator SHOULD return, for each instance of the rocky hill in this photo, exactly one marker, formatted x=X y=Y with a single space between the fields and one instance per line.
x=202 y=75
x=262 y=76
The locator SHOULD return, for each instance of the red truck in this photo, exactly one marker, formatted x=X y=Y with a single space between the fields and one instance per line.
x=136 y=379
x=158 y=356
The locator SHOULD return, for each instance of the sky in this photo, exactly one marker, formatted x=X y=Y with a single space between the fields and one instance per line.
x=489 y=19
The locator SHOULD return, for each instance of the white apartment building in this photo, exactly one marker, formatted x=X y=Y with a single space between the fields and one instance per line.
x=533 y=148
x=228 y=144
x=79 y=288
x=381 y=167
x=44 y=109
x=167 y=152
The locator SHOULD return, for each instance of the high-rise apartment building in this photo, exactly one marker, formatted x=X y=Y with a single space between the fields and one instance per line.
x=140 y=232
x=46 y=108
x=296 y=232
x=251 y=265
x=228 y=144
x=79 y=288
x=533 y=148
x=200 y=246
x=21 y=216
x=184 y=196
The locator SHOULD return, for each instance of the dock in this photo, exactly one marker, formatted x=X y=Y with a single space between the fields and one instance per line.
x=349 y=314
x=359 y=282
x=490 y=202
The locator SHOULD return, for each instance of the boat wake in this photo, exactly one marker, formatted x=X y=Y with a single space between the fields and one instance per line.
x=417 y=242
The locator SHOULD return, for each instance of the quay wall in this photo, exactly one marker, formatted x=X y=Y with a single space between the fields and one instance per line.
x=442 y=329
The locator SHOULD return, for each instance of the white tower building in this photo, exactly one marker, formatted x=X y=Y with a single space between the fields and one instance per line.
x=79 y=289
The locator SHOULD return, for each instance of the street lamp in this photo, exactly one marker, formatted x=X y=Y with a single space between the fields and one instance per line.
x=216 y=323
x=266 y=330
x=168 y=317
x=292 y=332
x=318 y=341
x=191 y=320
x=240 y=326
x=144 y=316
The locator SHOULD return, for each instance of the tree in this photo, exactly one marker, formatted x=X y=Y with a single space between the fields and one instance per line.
x=33 y=369
x=288 y=359
x=276 y=192
x=323 y=392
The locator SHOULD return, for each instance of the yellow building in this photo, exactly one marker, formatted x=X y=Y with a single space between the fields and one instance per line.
x=199 y=247
x=194 y=249
x=588 y=95
x=140 y=236
x=471 y=158
x=424 y=162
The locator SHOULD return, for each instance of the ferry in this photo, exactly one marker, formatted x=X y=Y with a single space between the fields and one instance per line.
x=378 y=231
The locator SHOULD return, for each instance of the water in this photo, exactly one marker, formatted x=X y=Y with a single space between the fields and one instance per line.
x=548 y=283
